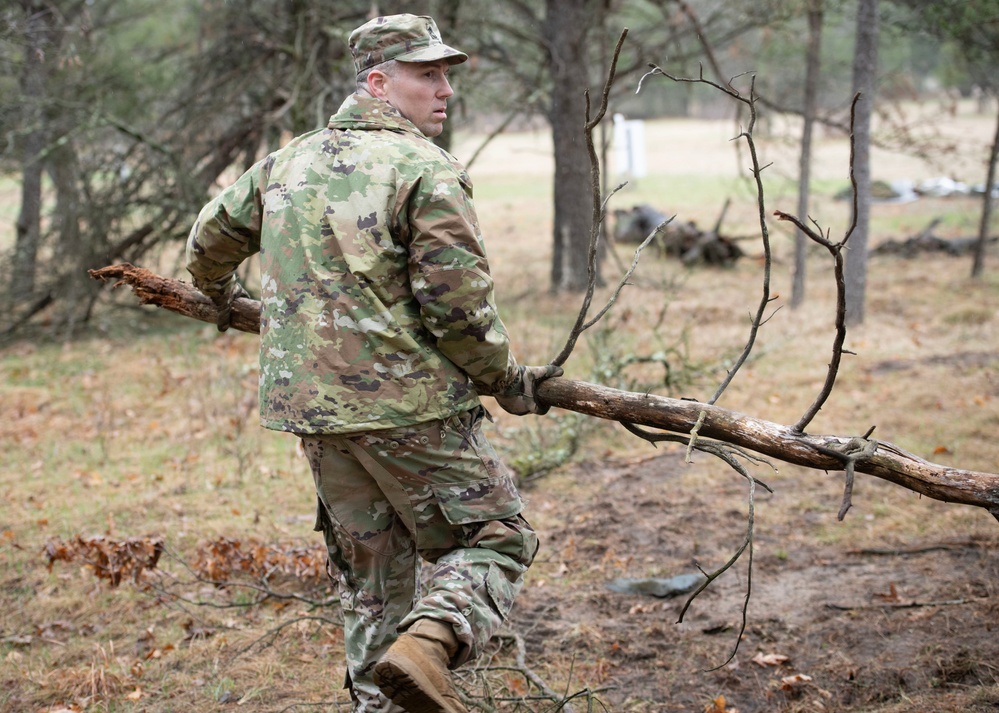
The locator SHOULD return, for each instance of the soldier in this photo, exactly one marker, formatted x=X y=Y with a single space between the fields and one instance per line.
x=379 y=330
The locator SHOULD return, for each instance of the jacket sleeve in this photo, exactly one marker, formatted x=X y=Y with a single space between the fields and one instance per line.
x=449 y=275
x=226 y=232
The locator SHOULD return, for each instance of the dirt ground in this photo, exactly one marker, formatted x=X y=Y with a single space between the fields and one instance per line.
x=852 y=616
x=830 y=627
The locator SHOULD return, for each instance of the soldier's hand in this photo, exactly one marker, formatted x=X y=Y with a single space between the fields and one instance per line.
x=223 y=303
x=518 y=396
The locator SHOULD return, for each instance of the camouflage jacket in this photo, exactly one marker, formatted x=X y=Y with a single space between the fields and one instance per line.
x=377 y=303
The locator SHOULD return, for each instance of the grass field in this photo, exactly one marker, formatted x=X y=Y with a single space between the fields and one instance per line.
x=144 y=434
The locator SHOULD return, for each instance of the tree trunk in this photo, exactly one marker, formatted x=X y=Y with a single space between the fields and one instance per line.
x=812 y=63
x=865 y=66
x=75 y=248
x=567 y=24
x=32 y=89
x=987 y=201
x=886 y=461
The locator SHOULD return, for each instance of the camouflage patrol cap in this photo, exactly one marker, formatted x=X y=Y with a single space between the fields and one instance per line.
x=405 y=38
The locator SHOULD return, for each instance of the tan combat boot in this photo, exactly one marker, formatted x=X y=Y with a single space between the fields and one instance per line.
x=414 y=674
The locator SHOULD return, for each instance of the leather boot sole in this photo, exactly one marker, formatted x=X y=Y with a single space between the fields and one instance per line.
x=405 y=683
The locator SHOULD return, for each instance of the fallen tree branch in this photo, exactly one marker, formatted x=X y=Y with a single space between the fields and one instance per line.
x=176 y=296
x=885 y=460
x=906 y=605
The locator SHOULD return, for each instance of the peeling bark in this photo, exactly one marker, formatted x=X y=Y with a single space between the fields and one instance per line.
x=176 y=296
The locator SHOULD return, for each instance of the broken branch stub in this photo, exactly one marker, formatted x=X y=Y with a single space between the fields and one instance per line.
x=179 y=297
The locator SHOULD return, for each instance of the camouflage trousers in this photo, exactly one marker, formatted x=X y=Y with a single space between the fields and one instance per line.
x=390 y=499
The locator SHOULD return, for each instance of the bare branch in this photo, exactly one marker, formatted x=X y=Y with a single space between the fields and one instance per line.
x=836 y=250
x=702 y=36
x=757 y=170
x=529 y=673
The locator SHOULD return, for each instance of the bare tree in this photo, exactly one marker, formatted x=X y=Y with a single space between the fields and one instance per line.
x=972 y=26
x=988 y=201
x=132 y=161
x=812 y=66
x=39 y=39
x=865 y=65
x=566 y=30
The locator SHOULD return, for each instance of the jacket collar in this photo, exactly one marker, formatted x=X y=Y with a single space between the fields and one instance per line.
x=365 y=113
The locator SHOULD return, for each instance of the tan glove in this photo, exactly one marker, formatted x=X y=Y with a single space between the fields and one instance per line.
x=517 y=396
x=223 y=303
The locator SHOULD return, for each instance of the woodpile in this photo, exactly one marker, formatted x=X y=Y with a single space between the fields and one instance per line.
x=682 y=241
x=926 y=241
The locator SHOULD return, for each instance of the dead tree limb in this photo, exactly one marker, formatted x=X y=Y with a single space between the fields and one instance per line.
x=176 y=296
x=784 y=443
x=887 y=461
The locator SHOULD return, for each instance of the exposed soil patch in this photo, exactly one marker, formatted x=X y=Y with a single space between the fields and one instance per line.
x=829 y=627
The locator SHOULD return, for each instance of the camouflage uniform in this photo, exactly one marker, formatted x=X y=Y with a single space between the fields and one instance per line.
x=378 y=328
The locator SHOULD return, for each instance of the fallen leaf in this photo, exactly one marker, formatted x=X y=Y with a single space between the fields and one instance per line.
x=770 y=659
x=790 y=683
x=719 y=705
x=517 y=685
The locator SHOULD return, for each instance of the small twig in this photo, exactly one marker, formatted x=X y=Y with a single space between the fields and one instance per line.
x=521 y=658
x=693 y=434
x=765 y=298
x=715 y=448
x=854 y=450
x=518 y=107
x=272 y=634
x=907 y=605
x=757 y=170
x=625 y=279
x=340 y=705
x=721 y=216
x=702 y=36
x=917 y=550
x=265 y=592
x=746 y=547
x=590 y=700
x=728 y=454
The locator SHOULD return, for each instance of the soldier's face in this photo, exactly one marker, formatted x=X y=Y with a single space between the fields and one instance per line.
x=419 y=90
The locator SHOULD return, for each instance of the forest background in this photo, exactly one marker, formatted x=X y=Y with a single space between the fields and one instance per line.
x=127 y=433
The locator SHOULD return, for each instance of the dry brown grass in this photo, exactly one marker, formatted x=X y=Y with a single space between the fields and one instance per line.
x=149 y=430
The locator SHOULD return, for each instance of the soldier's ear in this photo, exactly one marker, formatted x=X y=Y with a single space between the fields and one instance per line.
x=377 y=84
